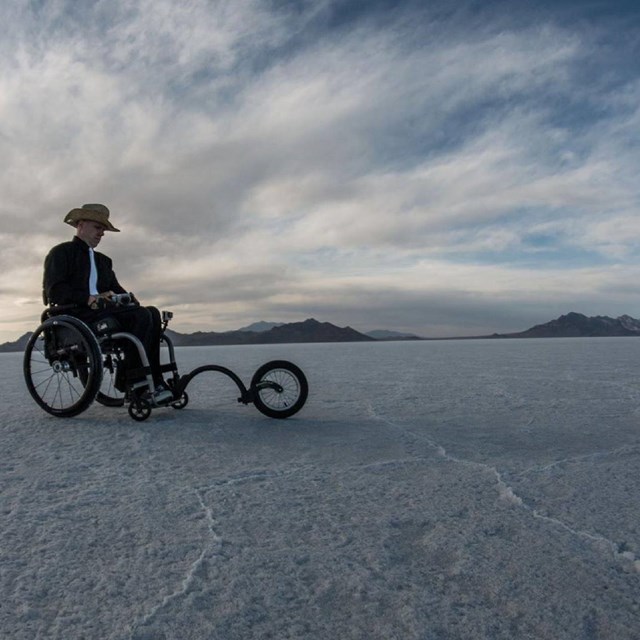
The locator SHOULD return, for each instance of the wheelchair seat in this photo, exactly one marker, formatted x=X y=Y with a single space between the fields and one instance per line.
x=105 y=326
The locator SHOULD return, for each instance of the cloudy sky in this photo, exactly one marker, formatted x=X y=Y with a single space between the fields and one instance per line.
x=446 y=168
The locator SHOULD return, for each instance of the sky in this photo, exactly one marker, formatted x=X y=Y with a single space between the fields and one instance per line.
x=442 y=168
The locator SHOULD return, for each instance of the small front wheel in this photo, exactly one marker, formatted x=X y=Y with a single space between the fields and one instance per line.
x=139 y=410
x=279 y=389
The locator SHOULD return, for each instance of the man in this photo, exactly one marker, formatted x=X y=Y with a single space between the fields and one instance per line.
x=75 y=274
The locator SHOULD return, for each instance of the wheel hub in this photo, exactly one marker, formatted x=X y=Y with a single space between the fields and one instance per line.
x=61 y=366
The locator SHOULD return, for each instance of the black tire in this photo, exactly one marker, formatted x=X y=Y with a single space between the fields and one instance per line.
x=63 y=366
x=279 y=389
x=139 y=410
x=181 y=402
x=108 y=395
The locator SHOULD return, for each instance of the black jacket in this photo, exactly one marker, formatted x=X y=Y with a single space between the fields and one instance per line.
x=66 y=274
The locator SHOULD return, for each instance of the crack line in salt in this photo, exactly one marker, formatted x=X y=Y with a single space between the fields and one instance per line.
x=508 y=494
x=216 y=541
x=596 y=454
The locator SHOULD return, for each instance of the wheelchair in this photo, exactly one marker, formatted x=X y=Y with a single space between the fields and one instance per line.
x=69 y=364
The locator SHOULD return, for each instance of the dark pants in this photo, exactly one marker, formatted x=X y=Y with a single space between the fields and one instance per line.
x=144 y=323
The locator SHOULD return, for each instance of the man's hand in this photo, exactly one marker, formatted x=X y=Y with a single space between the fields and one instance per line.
x=99 y=301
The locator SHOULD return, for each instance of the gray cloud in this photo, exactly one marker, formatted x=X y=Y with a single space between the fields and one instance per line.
x=285 y=160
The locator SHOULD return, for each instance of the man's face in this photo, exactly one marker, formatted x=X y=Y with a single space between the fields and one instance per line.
x=91 y=232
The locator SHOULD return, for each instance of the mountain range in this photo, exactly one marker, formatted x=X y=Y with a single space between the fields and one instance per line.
x=571 y=325
x=577 y=325
x=308 y=331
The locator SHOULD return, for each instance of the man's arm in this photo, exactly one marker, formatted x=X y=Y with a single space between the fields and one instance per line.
x=58 y=279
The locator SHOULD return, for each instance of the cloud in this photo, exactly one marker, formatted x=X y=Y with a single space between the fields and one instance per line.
x=281 y=159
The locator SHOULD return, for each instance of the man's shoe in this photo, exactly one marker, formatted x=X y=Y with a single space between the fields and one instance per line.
x=161 y=395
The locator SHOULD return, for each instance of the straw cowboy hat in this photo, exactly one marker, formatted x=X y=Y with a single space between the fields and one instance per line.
x=95 y=212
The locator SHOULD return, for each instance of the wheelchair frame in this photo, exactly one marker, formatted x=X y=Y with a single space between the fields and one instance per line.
x=65 y=362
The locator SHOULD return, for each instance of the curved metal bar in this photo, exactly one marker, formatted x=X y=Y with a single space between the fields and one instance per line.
x=172 y=351
x=245 y=395
x=269 y=384
x=141 y=352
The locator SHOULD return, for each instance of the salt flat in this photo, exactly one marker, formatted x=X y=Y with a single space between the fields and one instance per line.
x=472 y=489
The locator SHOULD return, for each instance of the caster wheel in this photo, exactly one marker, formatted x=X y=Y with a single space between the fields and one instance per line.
x=139 y=410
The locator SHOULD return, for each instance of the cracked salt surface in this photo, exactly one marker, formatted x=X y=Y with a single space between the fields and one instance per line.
x=480 y=489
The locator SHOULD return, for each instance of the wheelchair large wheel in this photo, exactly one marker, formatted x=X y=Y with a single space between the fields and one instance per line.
x=63 y=366
x=279 y=389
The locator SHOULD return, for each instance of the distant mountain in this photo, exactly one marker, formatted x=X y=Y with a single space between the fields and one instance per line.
x=384 y=334
x=259 y=327
x=312 y=331
x=308 y=331
x=206 y=338
x=577 y=325
x=17 y=345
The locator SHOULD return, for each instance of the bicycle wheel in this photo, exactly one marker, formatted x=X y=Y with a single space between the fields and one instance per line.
x=279 y=389
x=63 y=366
